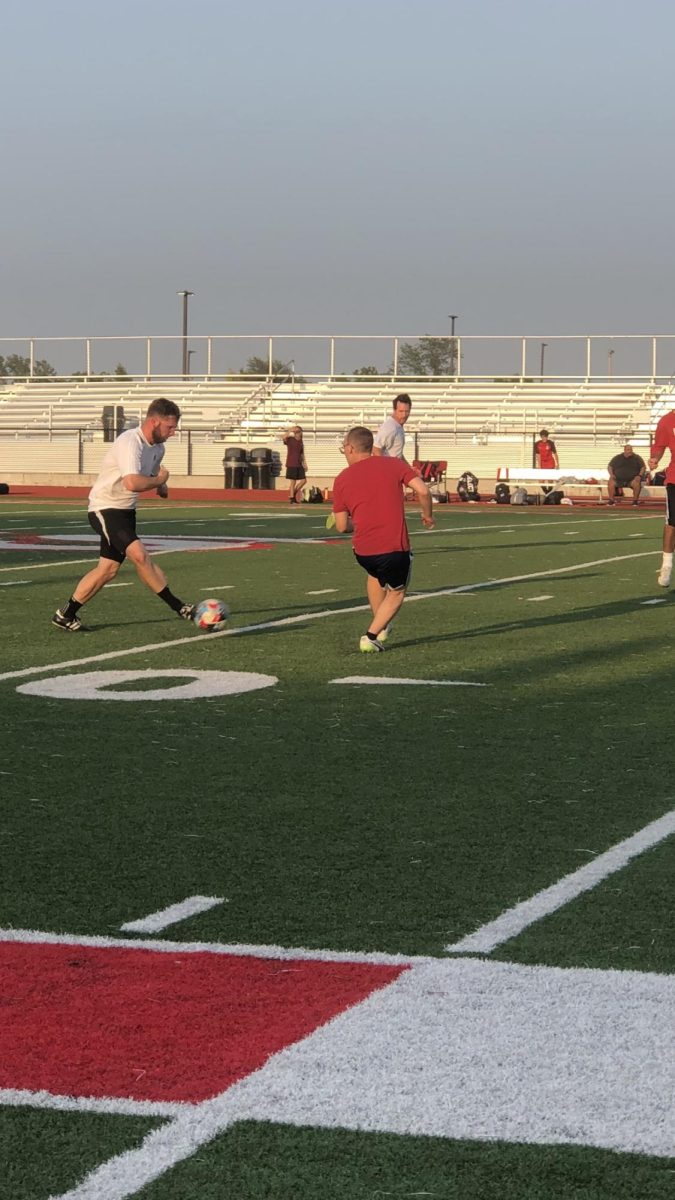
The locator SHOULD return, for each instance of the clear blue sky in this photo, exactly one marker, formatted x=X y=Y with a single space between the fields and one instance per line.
x=359 y=166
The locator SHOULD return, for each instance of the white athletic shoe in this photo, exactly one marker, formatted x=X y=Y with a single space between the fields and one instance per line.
x=384 y=633
x=368 y=646
x=663 y=578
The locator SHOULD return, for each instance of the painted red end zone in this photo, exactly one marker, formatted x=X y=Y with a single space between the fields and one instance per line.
x=154 y=1025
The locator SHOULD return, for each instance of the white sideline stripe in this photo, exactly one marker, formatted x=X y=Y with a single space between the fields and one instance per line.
x=108 y=1104
x=516 y=919
x=13 y=582
x=172 y=914
x=235 y=949
x=316 y=616
x=392 y=679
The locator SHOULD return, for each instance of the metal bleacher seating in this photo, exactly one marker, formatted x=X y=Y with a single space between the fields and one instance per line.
x=472 y=423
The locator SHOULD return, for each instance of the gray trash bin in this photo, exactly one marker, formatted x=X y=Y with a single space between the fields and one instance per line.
x=235 y=465
x=260 y=460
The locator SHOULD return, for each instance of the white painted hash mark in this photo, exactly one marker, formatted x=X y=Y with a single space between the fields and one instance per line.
x=658 y=601
x=322 y=592
x=534 y=599
x=516 y=919
x=420 y=682
x=171 y=915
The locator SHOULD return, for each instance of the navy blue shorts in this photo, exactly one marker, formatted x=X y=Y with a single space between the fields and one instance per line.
x=116 y=528
x=390 y=570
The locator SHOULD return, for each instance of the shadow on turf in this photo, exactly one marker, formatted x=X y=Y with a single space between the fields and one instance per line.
x=615 y=608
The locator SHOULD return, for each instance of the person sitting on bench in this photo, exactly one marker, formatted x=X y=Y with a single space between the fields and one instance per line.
x=626 y=470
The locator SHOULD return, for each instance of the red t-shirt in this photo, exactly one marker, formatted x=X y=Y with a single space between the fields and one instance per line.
x=664 y=439
x=371 y=491
x=545 y=449
x=294 y=451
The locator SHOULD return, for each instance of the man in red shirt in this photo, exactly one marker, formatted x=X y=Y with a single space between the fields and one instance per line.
x=368 y=498
x=296 y=464
x=664 y=439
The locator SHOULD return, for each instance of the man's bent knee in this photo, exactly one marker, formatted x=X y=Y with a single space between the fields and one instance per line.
x=137 y=554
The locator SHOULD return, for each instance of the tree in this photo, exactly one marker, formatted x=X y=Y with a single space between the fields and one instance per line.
x=120 y=369
x=17 y=364
x=431 y=356
x=260 y=366
x=370 y=370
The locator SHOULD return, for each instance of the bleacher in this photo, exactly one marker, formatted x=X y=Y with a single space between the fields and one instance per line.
x=474 y=424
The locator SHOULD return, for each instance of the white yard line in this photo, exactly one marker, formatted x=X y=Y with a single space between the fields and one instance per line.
x=164 y=917
x=521 y=916
x=379 y=679
x=20 y=1097
x=233 y=949
x=316 y=616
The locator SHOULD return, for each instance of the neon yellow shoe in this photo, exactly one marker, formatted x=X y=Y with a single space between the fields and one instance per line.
x=330 y=521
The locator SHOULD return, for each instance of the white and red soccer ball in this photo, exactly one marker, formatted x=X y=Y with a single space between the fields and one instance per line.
x=211 y=616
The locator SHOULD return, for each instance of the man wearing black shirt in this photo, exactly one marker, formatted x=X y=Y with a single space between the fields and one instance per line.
x=626 y=470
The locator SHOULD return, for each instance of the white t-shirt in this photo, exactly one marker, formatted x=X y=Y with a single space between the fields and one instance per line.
x=390 y=438
x=129 y=454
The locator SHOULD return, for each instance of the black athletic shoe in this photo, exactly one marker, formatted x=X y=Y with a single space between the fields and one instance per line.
x=187 y=612
x=63 y=623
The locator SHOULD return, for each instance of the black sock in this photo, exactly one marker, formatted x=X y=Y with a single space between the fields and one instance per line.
x=372 y=636
x=168 y=597
x=70 y=609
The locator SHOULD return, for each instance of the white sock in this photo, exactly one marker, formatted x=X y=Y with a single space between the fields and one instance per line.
x=667 y=559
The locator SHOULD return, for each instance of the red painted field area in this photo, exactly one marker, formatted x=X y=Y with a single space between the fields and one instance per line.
x=156 y=1025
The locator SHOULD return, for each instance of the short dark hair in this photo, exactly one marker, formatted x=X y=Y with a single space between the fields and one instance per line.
x=163 y=408
x=361 y=439
x=543 y=433
x=403 y=398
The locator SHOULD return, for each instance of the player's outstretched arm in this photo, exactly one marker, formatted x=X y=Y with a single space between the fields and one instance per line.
x=424 y=495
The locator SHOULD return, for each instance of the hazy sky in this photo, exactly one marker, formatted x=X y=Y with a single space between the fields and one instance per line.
x=358 y=166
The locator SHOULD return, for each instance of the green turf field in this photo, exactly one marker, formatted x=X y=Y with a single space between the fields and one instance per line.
x=327 y=822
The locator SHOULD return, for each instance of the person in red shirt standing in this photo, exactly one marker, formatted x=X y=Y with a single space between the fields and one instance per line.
x=545 y=456
x=664 y=439
x=545 y=453
x=296 y=464
x=368 y=498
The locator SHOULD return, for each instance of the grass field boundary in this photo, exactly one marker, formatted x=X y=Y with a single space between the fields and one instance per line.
x=302 y=618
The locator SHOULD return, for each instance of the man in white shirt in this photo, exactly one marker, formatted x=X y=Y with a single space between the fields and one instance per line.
x=390 y=437
x=130 y=467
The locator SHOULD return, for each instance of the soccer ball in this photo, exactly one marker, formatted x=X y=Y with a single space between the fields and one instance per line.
x=211 y=616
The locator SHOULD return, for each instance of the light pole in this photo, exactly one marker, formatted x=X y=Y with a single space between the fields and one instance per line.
x=452 y=317
x=186 y=361
x=541 y=361
x=610 y=364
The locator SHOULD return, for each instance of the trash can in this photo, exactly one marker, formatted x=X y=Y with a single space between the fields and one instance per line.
x=234 y=465
x=260 y=460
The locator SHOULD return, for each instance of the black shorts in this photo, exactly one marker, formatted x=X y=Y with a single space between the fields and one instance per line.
x=116 y=528
x=390 y=570
x=670 y=504
x=295 y=472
